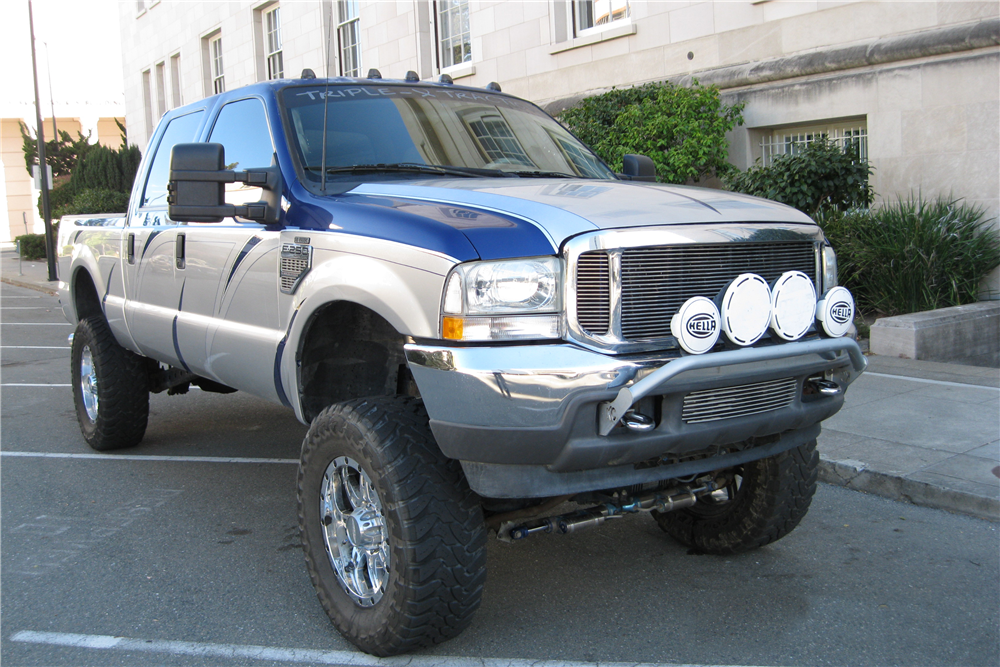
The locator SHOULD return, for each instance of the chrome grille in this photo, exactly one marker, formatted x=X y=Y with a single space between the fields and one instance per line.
x=593 y=293
x=656 y=281
x=728 y=402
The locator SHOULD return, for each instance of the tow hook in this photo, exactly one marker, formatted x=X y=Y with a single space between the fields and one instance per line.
x=822 y=387
x=564 y=524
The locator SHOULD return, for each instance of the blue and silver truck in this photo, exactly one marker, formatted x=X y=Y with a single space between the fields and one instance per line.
x=485 y=328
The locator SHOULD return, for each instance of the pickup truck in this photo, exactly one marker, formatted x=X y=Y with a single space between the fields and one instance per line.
x=484 y=327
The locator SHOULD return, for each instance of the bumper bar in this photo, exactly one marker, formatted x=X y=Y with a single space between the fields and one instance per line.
x=609 y=413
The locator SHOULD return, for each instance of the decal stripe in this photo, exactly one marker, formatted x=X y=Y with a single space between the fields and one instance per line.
x=278 y=385
x=107 y=288
x=177 y=347
x=152 y=235
x=254 y=240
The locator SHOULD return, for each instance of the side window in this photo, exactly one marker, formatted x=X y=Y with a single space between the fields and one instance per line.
x=181 y=130
x=242 y=129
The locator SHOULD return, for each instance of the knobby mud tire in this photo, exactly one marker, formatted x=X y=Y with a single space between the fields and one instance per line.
x=774 y=496
x=122 y=388
x=434 y=524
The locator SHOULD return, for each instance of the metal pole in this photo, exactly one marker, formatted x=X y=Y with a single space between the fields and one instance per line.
x=50 y=244
x=52 y=100
x=19 y=258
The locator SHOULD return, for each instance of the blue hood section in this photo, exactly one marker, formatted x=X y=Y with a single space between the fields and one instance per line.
x=500 y=218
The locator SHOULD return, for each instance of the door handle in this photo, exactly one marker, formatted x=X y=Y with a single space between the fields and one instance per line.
x=179 y=250
x=131 y=248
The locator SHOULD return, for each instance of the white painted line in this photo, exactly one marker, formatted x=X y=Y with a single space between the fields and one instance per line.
x=947 y=384
x=35 y=347
x=300 y=655
x=25 y=308
x=5 y=297
x=139 y=457
x=39 y=324
x=26 y=384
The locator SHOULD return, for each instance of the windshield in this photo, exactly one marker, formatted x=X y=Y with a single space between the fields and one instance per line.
x=375 y=131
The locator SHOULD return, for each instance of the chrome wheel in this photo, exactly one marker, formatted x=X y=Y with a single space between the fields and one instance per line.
x=88 y=383
x=354 y=531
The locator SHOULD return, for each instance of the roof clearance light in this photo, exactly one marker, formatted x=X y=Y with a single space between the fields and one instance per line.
x=835 y=311
x=746 y=309
x=696 y=325
x=793 y=305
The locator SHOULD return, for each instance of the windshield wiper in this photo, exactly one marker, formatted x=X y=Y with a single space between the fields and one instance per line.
x=543 y=174
x=413 y=167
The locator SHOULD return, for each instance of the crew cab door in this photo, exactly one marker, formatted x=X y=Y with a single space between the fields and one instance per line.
x=154 y=284
x=229 y=328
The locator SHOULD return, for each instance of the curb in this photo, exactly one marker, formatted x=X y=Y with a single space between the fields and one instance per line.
x=28 y=285
x=856 y=476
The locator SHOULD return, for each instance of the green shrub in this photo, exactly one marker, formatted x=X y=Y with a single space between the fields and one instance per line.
x=96 y=201
x=818 y=176
x=32 y=246
x=683 y=130
x=59 y=198
x=107 y=169
x=914 y=255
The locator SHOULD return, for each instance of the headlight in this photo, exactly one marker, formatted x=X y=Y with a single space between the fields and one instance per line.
x=507 y=300
x=829 y=268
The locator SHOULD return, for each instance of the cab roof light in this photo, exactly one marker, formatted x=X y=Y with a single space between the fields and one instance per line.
x=308 y=74
x=445 y=78
x=494 y=86
x=374 y=74
x=412 y=76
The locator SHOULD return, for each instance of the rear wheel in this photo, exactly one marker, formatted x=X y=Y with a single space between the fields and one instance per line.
x=394 y=539
x=110 y=388
x=763 y=501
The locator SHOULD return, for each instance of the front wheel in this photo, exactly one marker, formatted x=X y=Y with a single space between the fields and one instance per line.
x=763 y=501
x=394 y=539
x=110 y=388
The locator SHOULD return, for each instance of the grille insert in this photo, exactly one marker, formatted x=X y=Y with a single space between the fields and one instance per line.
x=710 y=405
x=593 y=293
x=295 y=262
x=656 y=281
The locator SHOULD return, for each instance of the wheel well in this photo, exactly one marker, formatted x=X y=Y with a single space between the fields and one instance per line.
x=85 y=298
x=348 y=351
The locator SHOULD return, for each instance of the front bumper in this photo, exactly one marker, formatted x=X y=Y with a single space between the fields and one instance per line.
x=545 y=407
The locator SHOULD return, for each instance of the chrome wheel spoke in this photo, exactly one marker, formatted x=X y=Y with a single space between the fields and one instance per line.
x=88 y=383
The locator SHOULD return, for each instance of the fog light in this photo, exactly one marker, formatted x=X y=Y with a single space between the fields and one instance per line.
x=836 y=312
x=696 y=325
x=746 y=309
x=793 y=305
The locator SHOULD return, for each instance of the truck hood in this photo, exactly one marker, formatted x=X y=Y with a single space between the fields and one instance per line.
x=563 y=208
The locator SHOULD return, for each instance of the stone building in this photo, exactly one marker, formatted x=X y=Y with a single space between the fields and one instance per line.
x=916 y=83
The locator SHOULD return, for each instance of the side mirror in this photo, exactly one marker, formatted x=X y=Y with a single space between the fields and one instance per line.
x=196 y=191
x=638 y=168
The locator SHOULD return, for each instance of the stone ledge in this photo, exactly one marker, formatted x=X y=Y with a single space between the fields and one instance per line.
x=963 y=334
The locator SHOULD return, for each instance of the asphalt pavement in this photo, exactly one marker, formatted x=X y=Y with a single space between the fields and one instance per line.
x=921 y=432
x=184 y=551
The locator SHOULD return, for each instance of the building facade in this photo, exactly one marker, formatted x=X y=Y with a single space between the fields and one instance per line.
x=915 y=83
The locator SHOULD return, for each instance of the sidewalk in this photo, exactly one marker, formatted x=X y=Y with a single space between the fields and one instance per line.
x=915 y=431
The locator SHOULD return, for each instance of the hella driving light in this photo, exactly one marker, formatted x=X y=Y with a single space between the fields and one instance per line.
x=696 y=325
x=793 y=305
x=507 y=300
x=746 y=309
x=835 y=312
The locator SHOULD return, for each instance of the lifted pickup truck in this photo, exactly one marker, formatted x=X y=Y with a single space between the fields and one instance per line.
x=479 y=321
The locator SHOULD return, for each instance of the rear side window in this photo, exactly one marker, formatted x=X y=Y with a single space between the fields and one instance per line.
x=242 y=129
x=180 y=130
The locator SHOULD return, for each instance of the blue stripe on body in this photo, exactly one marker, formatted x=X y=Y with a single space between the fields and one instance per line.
x=278 y=385
x=254 y=240
x=177 y=347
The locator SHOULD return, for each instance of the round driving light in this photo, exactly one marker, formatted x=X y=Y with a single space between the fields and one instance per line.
x=793 y=305
x=696 y=325
x=836 y=312
x=746 y=309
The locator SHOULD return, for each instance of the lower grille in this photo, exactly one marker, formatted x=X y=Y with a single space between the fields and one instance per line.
x=728 y=402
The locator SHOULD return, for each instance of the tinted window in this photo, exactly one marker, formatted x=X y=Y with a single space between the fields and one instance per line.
x=242 y=129
x=180 y=130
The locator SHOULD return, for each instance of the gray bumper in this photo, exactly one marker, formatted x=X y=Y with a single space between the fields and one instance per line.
x=545 y=406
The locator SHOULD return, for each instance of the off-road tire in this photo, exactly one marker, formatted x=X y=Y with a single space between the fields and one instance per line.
x=774 y=496
x=433 y=521
x=122 y=388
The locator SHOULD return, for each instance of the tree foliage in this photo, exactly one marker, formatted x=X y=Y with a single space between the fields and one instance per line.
x=818 y=176
x=61 y=153
x=683 y=130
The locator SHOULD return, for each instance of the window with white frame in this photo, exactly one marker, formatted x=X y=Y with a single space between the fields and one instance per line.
x=497 y=141
x=349 y=31
x=453 y=33
x=175 y=80
x=596 y=14
x=218 y=74
x=791 y=140
x=272 y=43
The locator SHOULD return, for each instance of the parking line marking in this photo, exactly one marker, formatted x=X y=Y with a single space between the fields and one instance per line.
x=39 y=324
x=28 y=384
x=300 y=655
x=35 y=347
x=25 y=308
x=151 y=457
x=925 y=381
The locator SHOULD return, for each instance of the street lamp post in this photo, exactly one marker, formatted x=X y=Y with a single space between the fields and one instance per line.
x=50 y=244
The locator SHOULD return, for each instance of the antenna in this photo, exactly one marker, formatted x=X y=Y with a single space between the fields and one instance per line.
x=326 y=95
